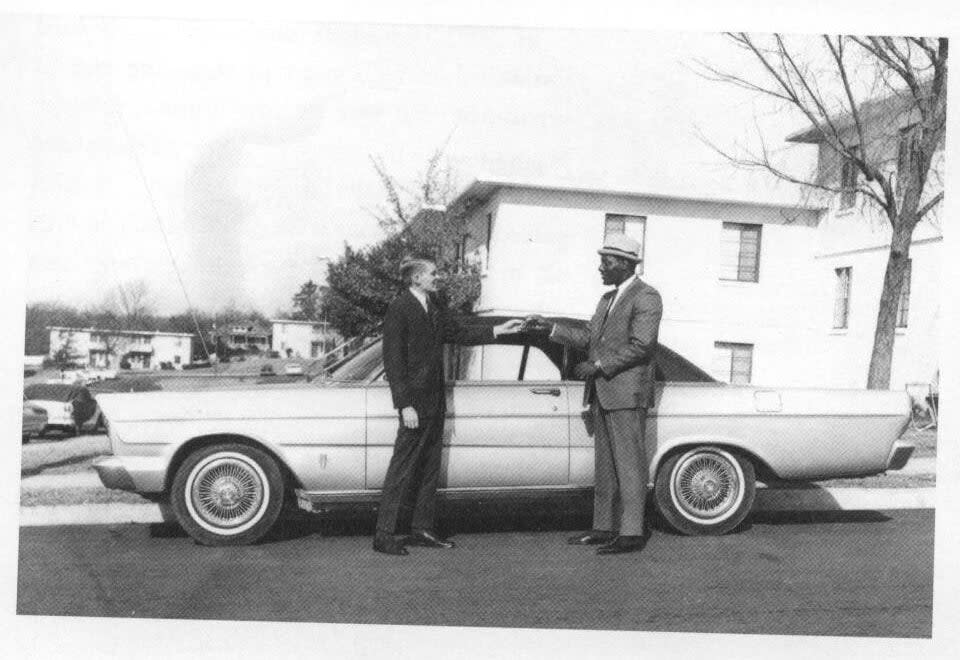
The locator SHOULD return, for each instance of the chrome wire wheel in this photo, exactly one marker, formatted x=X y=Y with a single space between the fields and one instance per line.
x=707 y=485
x=227 y=493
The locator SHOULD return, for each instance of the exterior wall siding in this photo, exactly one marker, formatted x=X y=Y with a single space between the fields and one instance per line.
x=543 y=260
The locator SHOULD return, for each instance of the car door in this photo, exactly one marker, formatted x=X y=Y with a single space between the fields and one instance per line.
x=507 y=422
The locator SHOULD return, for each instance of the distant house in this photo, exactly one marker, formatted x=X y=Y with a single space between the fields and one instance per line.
x=305 y=339
x=245 y=335
x=112 y=349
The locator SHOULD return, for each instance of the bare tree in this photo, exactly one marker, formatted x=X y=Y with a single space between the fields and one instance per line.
x=434 y=186
x=129 y=302
x=877 y=108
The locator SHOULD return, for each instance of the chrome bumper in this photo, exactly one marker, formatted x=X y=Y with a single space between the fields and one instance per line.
x=113 y=474
x=900 y=454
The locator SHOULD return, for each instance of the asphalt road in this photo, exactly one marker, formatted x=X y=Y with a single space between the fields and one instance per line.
x=861 y=574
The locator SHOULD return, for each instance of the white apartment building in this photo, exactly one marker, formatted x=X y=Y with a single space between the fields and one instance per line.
x=304 y=339
x=737 y=281
x=753 y=293
x=106 y=349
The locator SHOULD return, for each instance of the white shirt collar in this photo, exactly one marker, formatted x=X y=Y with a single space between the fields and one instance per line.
x=422 y=297
x=620 y=289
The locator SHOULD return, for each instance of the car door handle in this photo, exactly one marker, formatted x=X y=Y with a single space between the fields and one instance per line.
x=552 y=391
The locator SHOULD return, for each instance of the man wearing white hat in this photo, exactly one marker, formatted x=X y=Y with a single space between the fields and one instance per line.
x=620 y=342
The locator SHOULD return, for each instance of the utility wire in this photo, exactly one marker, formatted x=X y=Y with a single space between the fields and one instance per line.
x=153 y=204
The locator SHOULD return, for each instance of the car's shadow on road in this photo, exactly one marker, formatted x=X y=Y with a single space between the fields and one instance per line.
x=498 y=517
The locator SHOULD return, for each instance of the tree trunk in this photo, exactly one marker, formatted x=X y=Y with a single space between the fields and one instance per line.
x=881 y=360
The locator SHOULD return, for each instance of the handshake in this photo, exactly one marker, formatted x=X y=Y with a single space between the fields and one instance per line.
x=532 y=326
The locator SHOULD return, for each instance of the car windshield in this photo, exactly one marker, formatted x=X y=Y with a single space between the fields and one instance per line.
x=361 y=366
x=670 y=366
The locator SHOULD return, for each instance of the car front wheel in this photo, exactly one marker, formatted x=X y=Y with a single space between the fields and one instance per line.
x=228 y=494
x=705 y=490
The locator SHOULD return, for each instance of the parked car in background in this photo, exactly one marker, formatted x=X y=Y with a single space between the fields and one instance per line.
x=34 y=420
x=293 y=369
x=227 y=461
x=69 y=406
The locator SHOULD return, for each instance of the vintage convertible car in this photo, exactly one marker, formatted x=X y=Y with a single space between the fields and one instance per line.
x=226 y=461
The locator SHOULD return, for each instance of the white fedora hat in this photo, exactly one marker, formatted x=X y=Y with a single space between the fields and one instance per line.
x=621 y=245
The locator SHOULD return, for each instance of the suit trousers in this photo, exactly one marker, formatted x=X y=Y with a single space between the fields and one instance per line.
x=620 y=470
x=409 y=496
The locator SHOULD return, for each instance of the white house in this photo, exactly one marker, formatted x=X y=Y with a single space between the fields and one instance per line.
x=751 y=291
x=302 y=338
x=740 y=296
x=853 y=242
x=92 y=347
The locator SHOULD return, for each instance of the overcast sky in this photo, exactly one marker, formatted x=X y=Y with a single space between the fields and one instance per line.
x=254 y=138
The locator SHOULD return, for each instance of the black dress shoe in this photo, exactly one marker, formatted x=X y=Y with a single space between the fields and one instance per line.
x=388 y=545
x=623 y=544
x=428 y=539
x=593 y=537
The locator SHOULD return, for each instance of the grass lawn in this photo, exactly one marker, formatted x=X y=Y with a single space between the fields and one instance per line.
x=68 y=496
x=52 y=456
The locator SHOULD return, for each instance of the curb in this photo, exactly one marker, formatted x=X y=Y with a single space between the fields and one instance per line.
x=768 y=500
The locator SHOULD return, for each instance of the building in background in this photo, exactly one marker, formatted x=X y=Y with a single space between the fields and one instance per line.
x=116 y=349
x=853 y=243
x=246 y=336
x=302 y=339
x=754 y=293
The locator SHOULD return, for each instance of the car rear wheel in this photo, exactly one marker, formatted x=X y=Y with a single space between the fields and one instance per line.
x=228 y=494
x=705 y=490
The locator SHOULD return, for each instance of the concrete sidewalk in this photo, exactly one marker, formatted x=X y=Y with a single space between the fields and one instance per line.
x=790 y=497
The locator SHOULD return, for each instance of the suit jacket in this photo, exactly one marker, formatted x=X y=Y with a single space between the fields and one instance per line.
x=413 y=351
x=625 y=345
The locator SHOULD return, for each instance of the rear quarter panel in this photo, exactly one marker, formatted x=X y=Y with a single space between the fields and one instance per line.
x=319 y=433
x=798 y=433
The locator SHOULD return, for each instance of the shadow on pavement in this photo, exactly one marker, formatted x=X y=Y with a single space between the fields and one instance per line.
x=815 y=517
x=470 y=517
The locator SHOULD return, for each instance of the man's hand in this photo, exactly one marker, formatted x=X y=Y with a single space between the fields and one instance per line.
x=410 y=418
x=536 y=326
x=585 y=370
x=508 y=328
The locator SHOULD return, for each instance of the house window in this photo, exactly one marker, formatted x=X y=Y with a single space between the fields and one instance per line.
x=633 y=226
x=848 y=179
x=907 y=148
x=903 y=303
x=460 y=256
x=841 y=305
x=733 y=363
x=740 y=252
x=489 y=234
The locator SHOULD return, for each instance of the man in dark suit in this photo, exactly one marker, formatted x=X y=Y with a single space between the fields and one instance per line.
x=620 y=341
x=414 y=333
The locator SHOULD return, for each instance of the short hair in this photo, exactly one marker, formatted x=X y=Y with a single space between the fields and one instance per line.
x=410 y=268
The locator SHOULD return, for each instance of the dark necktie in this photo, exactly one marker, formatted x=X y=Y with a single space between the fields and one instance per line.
x=606 y=314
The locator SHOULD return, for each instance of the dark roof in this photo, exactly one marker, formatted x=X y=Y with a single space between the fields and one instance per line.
x=51 y=391
x=893 y=106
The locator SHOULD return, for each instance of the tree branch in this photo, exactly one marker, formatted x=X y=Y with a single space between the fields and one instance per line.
x=929 y=205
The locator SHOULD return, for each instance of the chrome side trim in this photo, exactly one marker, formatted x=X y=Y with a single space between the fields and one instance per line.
x=318 y=500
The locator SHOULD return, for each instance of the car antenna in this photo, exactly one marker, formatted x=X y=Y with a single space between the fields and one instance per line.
x=146 y=185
